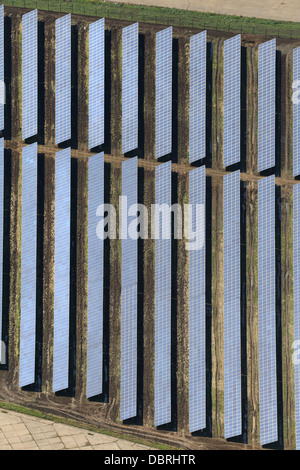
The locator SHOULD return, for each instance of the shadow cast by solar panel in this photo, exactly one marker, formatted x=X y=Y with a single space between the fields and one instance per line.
x=233 y=167
x=6 y=254
x=199 y=163
x=70 y=391
x=243 y=119
x=7 y=74
x=268 y=172
x=207 y=432
x=104 y=396
x=278 y=316
x=37 y=385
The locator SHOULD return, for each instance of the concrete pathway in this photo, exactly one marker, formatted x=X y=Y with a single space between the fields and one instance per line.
x=23 y=432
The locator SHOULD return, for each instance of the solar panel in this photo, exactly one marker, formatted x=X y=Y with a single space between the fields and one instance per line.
x=197 y=362
x=232 y=296
x=28 y=266
x=267 y=311
x=266 y=104
x=1 y=228
x=2 y=86
x=96 y=82
x=63 y=79
x=130 y=86
x=129 y=352
x=62 y=269
x=129 y=293
x=30 y=74
x=296 y=114
x=129 y=246
x=197 y=96
x=163 y=112
x=95 y=279
x=163 y=297
x=232 y=100
x=296 y=268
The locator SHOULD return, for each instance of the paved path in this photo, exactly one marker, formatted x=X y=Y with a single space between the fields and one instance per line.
x=23 y=432
x=288 y=10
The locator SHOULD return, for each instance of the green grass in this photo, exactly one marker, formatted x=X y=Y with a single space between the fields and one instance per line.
x=87 y=427
x=167 y=16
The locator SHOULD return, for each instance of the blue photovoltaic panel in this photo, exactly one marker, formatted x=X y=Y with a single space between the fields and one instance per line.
x=266 y=104
x=232 y=302
x=197 y=96
x=30 y=74
x=63 y=79
x=128 y=352
x=197 y=363
x=163 y=296
x=96 y=82
x=1 y=227
x=2 y=87
x=28 y=265
x=296 y=112
x=62 y=269
x=232 y=101
x=130 y=87
x=267 y=311
x=129 y=198
x=163 y=114
x=296 y=268
x=129 y=291
x=95 y=278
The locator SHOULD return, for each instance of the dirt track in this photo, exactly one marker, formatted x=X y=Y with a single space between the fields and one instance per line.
x=285 y=10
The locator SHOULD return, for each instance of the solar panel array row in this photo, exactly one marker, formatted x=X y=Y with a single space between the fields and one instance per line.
x=266 y=104
x=296 y=112
x=232 y=296
x=63 y=79
x=95 y=278
x=267 y=311
x=129 y=293
x=163 y=112
x=197 y=96
x=1 y=231
x=232 y=101
x=197 y=341
x=130 y=87
x=30 y=74
x=62 y=270
x=28 y=265
x=96 y=83
x=163 y=295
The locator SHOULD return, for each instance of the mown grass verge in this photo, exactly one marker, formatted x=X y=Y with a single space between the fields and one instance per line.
x=87 y=427
x=167 y=16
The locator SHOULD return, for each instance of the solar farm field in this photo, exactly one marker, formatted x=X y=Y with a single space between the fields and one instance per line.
x=139 y=314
